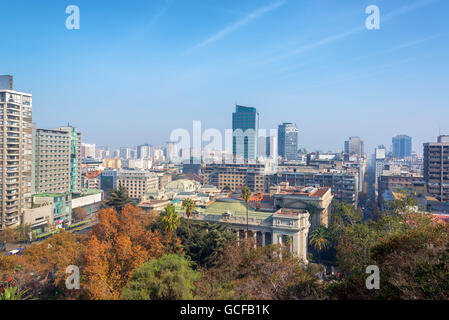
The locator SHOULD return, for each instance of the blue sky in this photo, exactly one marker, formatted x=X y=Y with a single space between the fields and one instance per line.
x=138 y=69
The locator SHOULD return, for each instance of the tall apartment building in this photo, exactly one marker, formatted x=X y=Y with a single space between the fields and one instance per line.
x=245 y=129
x=57 y=164
x=88 y=150
x=402 y=146
x=143 y=151
x=137 y=183
x=127 y=153
x=379 y=162
x=436 y=168
x=288 y=141
x=16 y=148
x=171 y=151
x=354 y=146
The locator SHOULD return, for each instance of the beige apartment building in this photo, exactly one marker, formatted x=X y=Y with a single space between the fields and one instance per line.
x=15 y=153
x=235 y=176
x=137 y=182
x=112 y=163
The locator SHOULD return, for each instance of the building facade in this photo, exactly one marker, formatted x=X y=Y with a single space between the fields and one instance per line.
x=245 y=128
x=16 y=148
x=402 y=146
x=235 y=176
x=344 y=184
x=436 y=168
x=354 y=146
x=288 y=141
x=137 y=183
x=57 y=160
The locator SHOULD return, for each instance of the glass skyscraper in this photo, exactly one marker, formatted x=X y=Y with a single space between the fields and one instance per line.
x=402 y=146
x=245 y=127
x=288 y=141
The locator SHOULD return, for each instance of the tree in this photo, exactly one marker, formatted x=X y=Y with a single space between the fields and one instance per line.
x=408 y=246
x=22 y=232
x=119 y=244
x=167 y=278
x=80 y=214
x=117 y=199
x=246 y=194
x=41 y=267
x=189 y=206
x=414 y=263
x=204 y=242
x=318 y=239
x=170 y=219
x=244 y=272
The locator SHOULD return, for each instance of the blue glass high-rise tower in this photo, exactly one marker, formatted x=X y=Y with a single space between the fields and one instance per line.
x=402 y=146
x=245 y=127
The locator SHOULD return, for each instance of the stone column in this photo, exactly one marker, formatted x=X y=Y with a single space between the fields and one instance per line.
x=238 y=237
x=255 y=238
x=263 y=239
x=274 y=238
x=296 y=244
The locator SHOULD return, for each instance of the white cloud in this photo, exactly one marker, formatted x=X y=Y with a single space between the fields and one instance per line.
x=238 y=24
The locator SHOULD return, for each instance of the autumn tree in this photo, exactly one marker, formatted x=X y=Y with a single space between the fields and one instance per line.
x=41 y=268
x=80 y=214
x=119 y=243
x=270 y=273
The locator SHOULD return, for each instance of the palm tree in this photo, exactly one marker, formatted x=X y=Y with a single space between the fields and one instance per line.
x=319 y=240
x=117 y=199
x=189 y=206
x=170 y=219
x=246 y=194
x=13 y=293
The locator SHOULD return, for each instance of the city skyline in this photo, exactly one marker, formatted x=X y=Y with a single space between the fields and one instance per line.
x=178 y=62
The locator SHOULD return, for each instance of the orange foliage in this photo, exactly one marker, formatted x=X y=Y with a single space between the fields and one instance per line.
x=47 y=260
x=120 y=242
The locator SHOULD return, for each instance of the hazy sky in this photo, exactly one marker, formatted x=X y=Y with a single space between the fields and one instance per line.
x=138 y=69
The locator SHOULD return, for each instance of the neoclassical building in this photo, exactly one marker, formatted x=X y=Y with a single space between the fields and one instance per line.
x=284 y=226
x=182 y=185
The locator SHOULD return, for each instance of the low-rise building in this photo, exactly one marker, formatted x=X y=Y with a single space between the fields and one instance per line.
x=315 y=200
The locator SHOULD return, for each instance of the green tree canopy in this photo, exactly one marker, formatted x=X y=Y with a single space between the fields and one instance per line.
x=170 y=219
x=117 y=199
x=167 y=278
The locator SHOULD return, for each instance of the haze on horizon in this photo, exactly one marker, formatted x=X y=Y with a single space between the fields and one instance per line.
x=138 y=69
